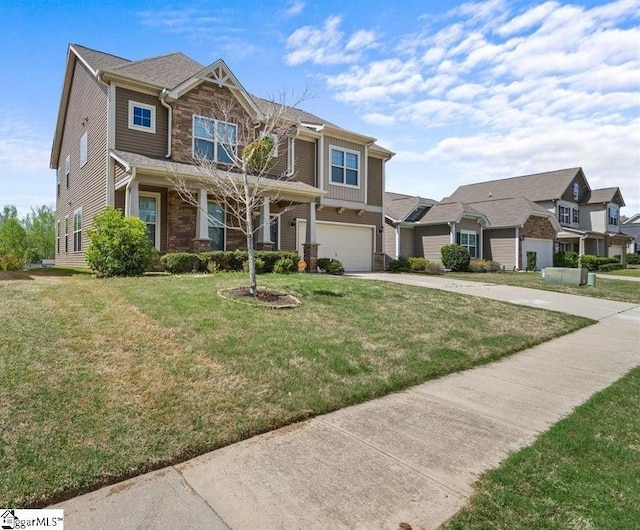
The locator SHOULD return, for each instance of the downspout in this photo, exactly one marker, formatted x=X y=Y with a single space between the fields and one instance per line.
x=516 y=266
x=127 y=193
x=162 y=97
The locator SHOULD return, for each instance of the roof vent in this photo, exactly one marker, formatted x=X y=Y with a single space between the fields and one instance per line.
x=490 y=194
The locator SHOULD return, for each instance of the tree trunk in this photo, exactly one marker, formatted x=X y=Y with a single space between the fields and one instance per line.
x=253 y=282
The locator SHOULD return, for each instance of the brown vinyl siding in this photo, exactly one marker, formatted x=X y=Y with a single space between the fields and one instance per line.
x=345 y=193
x=305 y=162
x=428 y=240
x=499 y=245
x=135 y=141
x=86 y=112
x=374 y=182
x=389 y=240
x=470 y=225
x=407 y=242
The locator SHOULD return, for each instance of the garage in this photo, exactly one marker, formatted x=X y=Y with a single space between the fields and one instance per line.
x=350 y=244
x=543 y=249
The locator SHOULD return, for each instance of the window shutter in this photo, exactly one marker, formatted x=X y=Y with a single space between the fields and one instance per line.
x=458 y=238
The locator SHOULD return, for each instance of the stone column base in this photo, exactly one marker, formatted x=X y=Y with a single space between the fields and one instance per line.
x=379 y=262
x=263 y=245
x=311 y=256
x=199 y=245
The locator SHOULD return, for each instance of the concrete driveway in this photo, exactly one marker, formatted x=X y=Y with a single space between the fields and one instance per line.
x=410 y=457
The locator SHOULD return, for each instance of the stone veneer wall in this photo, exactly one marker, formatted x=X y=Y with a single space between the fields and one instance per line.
x=538 y=228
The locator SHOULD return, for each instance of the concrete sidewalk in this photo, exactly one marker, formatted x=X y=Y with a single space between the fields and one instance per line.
x=408 y=457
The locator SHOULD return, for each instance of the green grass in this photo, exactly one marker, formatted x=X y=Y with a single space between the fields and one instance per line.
x=104 y=379
x=619 y=290
x=583 y=473
x=632 y=272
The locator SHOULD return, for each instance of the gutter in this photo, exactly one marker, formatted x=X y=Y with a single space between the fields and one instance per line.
x=127 y=192
x=162 y=98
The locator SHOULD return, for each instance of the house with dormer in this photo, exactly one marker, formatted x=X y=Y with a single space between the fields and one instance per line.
x=125 y=127
x=502 y=220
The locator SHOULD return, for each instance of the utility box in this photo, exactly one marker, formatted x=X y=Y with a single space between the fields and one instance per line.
x=591 y=279
x=566 y=276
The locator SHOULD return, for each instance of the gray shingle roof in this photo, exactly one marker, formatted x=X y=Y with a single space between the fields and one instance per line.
x=166 y=71
x=509 y=212
x=445 y=212
x=536 y=187
x=398 y=206
x=631 y=229
x=99 y=60
x=603 y=195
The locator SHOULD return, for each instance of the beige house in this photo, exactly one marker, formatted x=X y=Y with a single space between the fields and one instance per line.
x=125 y=127
x=502 y=220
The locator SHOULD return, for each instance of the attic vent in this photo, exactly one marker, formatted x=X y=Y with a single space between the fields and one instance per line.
x=490 y=194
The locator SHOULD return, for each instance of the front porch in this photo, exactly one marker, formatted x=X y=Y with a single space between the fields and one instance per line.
x=594 y=243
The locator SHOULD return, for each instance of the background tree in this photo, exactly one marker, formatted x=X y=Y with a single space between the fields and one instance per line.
x=242 y=175
x=41 y=232
x=13 y=236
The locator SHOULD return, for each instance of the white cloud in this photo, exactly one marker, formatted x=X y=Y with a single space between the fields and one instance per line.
x=295 y=8
x=377 y=118
x=326 y=44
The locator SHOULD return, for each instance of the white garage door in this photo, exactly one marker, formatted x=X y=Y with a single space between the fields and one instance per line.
x=350 y=244
x=543 y=249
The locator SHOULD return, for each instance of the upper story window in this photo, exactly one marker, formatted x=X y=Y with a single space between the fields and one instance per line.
x=613 y=216
x=575 y=216
x=67 y=169
x=576 y=191
x=57 y=183
x=214 y=140
x=83 y=149
x=564 y=215
x=142 y=117
x=345 y=167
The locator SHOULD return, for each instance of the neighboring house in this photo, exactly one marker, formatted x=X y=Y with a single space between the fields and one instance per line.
x=401 y=213
x=631 y=227
x=503 y=219
x=125 y=127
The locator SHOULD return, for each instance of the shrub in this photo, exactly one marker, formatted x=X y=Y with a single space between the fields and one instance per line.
x=418 y=264
x=478 y=265
x=433 y=267
x=219 y=260
x=633 y=259
x=455 y=257
x=532 y=258
x=284 y=266
x=402 y=264
x=180 y=262
x=589 y=262
x=119 y=246
x=565 y=258
x=323 y=263
x=31 y=255
x=493 y=266
x=11 y=262
x=335 y=267
x=609 y=267
x=259 y=264
x=270 y=257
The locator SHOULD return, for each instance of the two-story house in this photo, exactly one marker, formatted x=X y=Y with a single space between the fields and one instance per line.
x=503 y=219
x=126 y=128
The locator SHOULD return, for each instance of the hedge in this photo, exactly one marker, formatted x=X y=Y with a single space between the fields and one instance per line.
x=609 y=267
x=219 y=260
x=633 y=259
x=565 y=258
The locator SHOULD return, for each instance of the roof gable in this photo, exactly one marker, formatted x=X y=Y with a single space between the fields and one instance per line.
x=537 y=187
x=166 y=71
x=452 y=212
x=604 y=195
x=400 y=207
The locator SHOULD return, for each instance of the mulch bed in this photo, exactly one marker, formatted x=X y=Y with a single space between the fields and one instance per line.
x=265 y=297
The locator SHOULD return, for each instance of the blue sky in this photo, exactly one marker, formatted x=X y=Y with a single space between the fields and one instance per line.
x=462 y=92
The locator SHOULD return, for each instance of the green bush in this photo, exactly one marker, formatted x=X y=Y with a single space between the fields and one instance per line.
x=607 y=267
x=433 y=267
x=402 y=264
x=285 y=266
x=565 y=258
x=323 y=263
x=633 y=259
x=219 y=260
x=418 y=264
x=335 y=267
x=119 y=246
x=270 y=257
x=455 y=257
x=31 y=255
x=589 y=262
x=259 y=264
x=181 y=262
x=11 y=262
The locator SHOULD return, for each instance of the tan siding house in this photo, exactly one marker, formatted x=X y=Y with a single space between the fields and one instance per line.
x=144 y=127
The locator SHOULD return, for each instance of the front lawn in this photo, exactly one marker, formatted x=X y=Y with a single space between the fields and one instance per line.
x=582 y=473
x=632 y=272
x=620 y=290
x=104 y=379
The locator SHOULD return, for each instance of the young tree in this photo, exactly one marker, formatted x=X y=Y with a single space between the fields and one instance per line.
x=13 y=236
x=40 y=226
x=236 y=165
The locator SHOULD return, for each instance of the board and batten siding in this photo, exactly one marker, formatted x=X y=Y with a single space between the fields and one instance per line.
x=86 y=112
x=135 y=141
x=428 y=240
x=500 y=245
x=345 y=193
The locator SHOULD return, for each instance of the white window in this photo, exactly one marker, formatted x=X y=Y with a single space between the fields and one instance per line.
x=469 y=240
x=214 y=140
x=345 y=167
x=564 y=247
x=66 y=233
x=575 y=216
x=215 y=214
x=57 y=237
x=77 y=230
x=58 y=182
x=67 y=169
x=613 y=216
x=149 y=212
x=142 y=117
x=274 y=142
x=564 y=215
x=83 y=150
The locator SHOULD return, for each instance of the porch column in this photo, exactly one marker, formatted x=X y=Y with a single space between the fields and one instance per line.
x=310 y=246
x=517 y=260
x=581 y=247
x=201 y=241
x=132 y=205
x=481 y=243
x=452 y=233
x=264 y=229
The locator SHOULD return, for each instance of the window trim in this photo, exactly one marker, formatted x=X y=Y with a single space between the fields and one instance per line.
x=152 y=128
x=158 y=223
x=561 y=209
x=575 y=216
x=213 y=140
x=66 y=234
x=77 y=232
x=331 y=165
x=610 y=218
x=223 y=227
x=467 y=246
x=84 y=149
